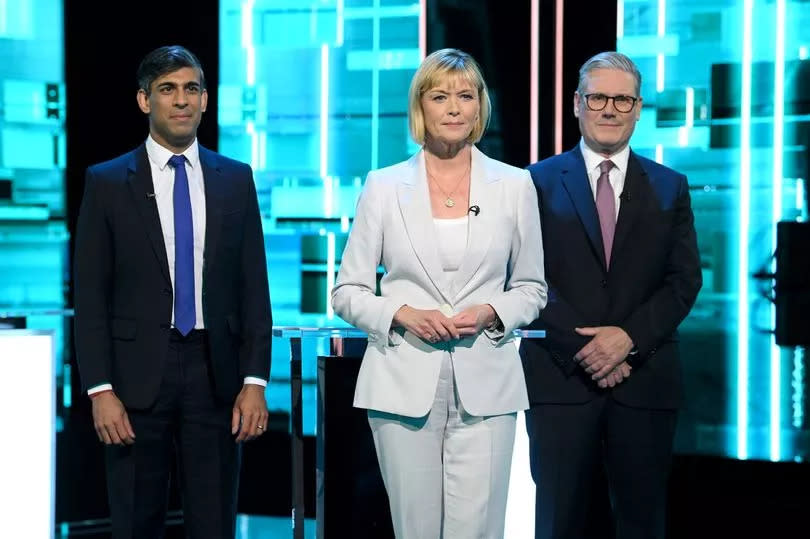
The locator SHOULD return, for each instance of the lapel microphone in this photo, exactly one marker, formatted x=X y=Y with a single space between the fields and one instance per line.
x=150 y=195
x=474 y=209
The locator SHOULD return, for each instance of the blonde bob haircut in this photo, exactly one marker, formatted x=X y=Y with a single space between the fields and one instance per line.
x=434 y=70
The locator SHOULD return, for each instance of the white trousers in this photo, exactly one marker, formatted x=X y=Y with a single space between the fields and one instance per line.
x=446 y=473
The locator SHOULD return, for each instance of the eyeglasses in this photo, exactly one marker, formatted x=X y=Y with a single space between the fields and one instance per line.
x=622 y=103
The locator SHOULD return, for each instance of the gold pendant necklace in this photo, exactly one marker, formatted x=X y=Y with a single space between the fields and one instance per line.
x=448 y=201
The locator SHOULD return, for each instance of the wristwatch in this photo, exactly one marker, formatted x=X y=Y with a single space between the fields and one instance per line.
x=496 y=325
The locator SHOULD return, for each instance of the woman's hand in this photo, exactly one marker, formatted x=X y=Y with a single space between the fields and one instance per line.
x=430 y=325
x=474 y=320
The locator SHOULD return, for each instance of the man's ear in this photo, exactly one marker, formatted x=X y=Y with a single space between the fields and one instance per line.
x=577 y=100
x=204 y=100
x=143 y=102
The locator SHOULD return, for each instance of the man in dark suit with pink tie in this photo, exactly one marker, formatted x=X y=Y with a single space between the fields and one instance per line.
x=623 y=271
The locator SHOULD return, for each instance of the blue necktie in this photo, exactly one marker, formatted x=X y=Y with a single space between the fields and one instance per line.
x=185 y=312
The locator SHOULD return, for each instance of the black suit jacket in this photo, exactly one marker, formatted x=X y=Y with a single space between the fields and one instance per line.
x=123 y=293
x=652 y=283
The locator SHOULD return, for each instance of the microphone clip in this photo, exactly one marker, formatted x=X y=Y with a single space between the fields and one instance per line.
x=474 y=209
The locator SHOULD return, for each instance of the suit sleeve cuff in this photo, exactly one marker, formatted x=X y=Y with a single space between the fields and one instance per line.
x=386 y=328
x=255 y=380
x=496 y=330
x=99 y=388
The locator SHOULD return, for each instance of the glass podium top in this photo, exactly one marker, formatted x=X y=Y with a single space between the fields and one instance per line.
x=354 y=333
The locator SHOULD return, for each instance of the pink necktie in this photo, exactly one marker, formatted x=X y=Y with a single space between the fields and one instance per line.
x=606 y=207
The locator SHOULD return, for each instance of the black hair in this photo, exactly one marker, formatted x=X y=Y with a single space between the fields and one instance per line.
x=165 y=60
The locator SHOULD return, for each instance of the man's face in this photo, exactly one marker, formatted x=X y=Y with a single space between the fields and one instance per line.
x=607 y=131
x=175 y=105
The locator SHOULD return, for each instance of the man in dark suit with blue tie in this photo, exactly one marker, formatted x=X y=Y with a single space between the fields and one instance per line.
x=172 y=311
x=623 y=271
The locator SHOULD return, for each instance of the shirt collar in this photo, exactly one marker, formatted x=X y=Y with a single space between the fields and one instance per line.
x=593 y=159
x=160 y=155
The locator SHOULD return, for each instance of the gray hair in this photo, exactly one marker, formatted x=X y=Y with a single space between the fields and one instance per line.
x=608 y=60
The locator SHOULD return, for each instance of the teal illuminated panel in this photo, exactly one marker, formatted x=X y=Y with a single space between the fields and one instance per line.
x=724 y=88
x=313 y=94
x=33 y=235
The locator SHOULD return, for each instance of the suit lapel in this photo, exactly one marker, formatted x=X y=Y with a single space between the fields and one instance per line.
x=483 y=191
x=139 y=177
x=575 y=180
x=632 y=201
x=215 y=194
x=414 y=204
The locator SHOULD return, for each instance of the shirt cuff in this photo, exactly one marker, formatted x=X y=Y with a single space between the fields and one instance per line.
x=256 y=381
x=99 y=388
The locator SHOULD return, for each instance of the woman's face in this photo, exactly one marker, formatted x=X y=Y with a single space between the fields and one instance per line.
x=450 y=109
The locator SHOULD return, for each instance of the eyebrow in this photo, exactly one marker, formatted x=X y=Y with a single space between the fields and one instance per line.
x=437 y=90
x=170 y=84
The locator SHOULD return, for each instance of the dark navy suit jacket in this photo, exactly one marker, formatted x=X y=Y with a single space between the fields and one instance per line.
x=123 y=299
x=651 y=285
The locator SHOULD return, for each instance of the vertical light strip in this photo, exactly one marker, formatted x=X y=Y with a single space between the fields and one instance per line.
x=689 y=120
x=340 y=22
x=375 y=85
x=250 y=75
x=422 y=29
x=690 y=107
x=659 y=70
x=330 y=273
x=662 y=23
x=743 y=231
x=250 y=129
x=534 y=82
x=324 y=109
x=250 y=65
x=558 y=76
x=659 y=153
x=619 y=19
x=67 y=386
x=778 y=140
x=247 y=42
x=797 y=382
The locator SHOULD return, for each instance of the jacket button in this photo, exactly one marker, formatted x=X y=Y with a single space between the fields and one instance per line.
x=604 y=283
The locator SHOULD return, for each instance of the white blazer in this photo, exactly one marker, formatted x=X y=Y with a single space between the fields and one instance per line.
x=503 y=266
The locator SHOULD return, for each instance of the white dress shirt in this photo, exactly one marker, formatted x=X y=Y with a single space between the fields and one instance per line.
x=163 y=183
x=615 y=176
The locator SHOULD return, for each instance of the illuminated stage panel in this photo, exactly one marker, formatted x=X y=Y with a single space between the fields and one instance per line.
x=27 y=414
x=723 y=103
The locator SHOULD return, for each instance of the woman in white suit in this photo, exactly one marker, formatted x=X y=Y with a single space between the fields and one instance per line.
x=458 y=235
